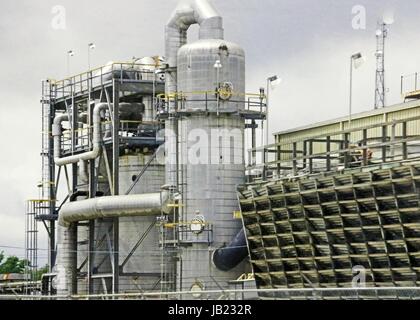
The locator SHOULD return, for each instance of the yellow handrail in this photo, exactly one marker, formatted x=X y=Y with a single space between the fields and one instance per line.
x=183 y=94
x=100 y=68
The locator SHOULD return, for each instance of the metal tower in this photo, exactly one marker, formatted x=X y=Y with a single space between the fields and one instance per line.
x=381 y=35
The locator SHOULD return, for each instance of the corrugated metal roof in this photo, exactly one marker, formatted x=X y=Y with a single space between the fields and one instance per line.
x=394 y=108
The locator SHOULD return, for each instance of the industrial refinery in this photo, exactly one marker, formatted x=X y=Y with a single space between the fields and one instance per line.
x=149 y=191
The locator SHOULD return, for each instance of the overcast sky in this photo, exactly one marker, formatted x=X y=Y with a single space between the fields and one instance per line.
x=306 y=42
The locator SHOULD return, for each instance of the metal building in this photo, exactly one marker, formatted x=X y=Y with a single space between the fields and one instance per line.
x=335 y=198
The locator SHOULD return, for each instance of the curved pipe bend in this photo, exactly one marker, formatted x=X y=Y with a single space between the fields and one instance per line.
x=228 y=257
x=97 y=138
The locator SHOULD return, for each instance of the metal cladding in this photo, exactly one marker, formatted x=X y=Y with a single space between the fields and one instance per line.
x=147 y=258
x=113 y=207
x=198 y=79
x=205 y=123
x=186 y=14
x=66 y=260
x=325 y=230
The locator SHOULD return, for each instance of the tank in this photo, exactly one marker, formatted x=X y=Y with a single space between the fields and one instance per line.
x=143 y=269
x=199 y=76
x=211 y=156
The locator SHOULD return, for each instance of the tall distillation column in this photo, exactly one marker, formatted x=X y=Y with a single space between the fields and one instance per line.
x=206 y=145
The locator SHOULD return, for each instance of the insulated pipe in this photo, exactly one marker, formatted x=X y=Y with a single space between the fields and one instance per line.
x=85 y=210
x=83 y=171
x=113 y=207
x=66 y=260
x=97 y=138
x=227 y=258
x=57 y=131
x=187 y=13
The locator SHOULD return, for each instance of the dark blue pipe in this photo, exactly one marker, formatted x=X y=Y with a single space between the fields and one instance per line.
x=228 y=257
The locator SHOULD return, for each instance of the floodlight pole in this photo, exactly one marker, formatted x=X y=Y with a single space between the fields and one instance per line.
x=351 y=90
x=353 y=58
x=267 y=129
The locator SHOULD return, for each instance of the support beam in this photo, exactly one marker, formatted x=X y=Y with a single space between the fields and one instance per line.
x=115 y=180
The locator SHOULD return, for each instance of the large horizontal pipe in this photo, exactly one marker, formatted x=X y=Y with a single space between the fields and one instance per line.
x=227 y=258
x=113 y=207
x=91 y=209
x=97 y=138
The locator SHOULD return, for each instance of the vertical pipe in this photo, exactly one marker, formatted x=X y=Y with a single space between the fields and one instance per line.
x=328 y=155
x=311 y=160
x=294 y=158
x=92 y=163
x=267 y=112
x=402 y=84
x=52 y=187
x=384 y=139
x=115 y=138
x=404 y=146
x=393 y=133
x=115 y=179
x=279 y=158
x=66 y=261
x=91 y=256
x=116 y=264
x=254 y=143
x=351 y=91
x=74 y=127
x=346 y=146
x=365 y=137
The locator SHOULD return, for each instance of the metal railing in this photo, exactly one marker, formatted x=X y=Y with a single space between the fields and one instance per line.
x=83 y=135
x=410 y=85
x=251 y=101
x=380 y=293
x=380 y=143
x=121 y=71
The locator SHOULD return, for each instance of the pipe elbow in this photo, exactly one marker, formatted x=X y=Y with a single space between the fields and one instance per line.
x=228 y=257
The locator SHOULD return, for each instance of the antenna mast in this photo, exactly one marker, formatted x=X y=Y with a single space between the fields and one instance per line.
x=381 y=35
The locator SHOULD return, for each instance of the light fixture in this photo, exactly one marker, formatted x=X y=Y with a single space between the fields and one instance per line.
x=218 y=64
x=358 y=59
x=379 y=53
x=272 y=82
x=378 y=33
x=70 y=54
x=388 y=18
x=91 y=46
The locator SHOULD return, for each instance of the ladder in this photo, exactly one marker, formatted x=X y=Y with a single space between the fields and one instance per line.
x=31 y=245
